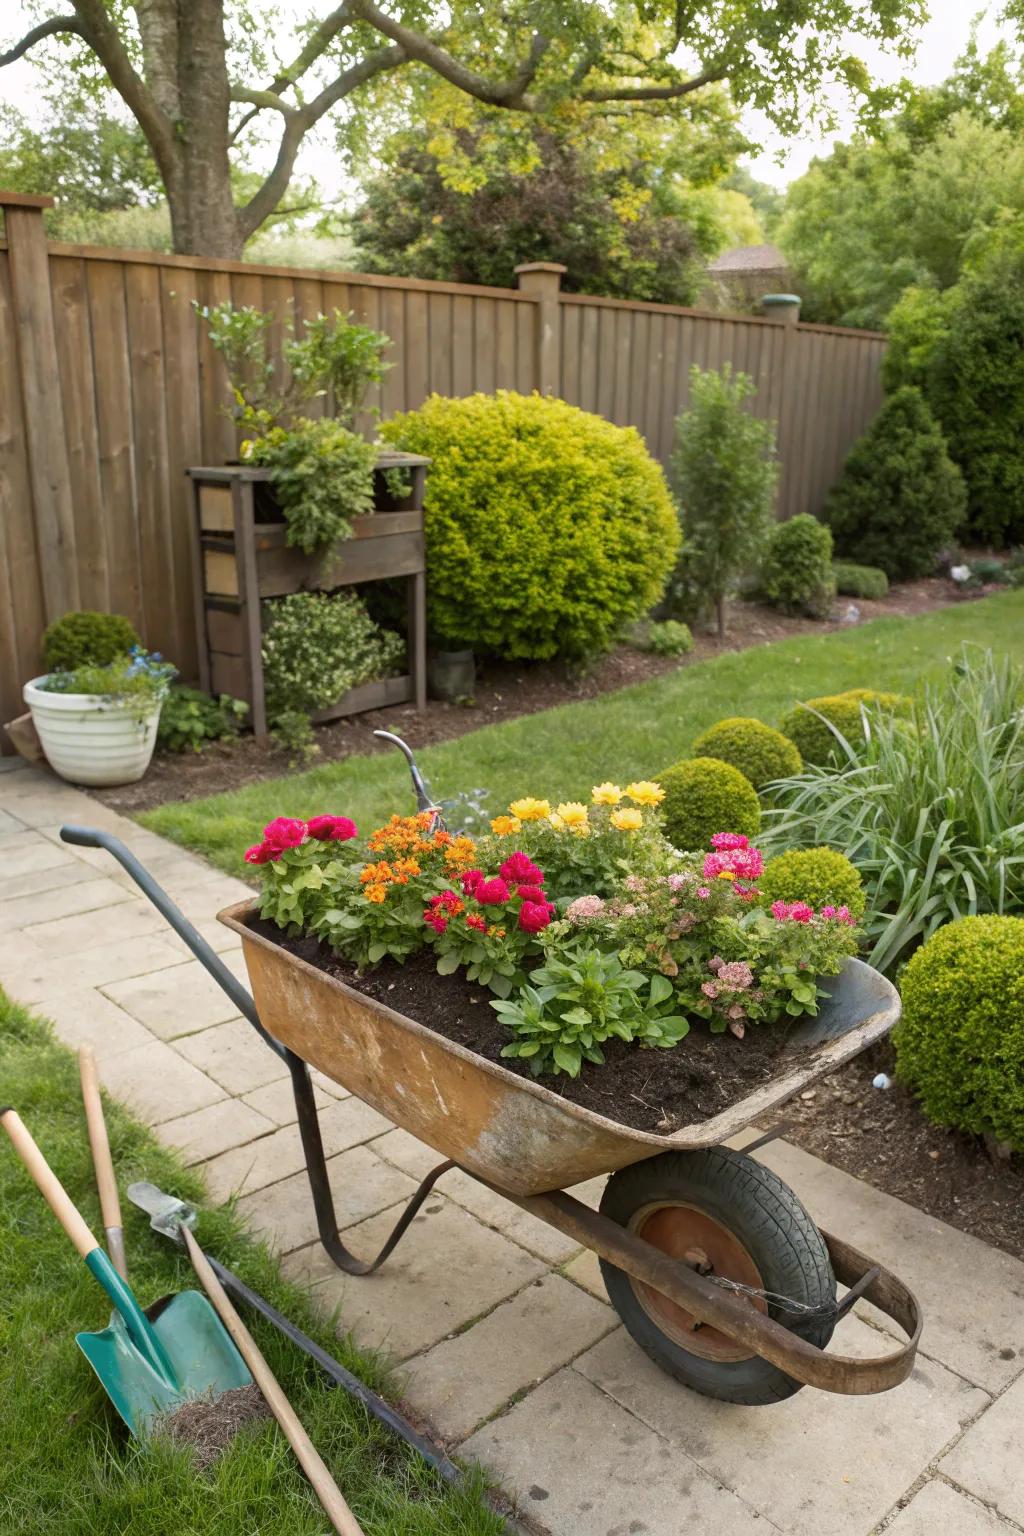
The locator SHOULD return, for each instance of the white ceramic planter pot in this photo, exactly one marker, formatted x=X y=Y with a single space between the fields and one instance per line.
x=89 y=740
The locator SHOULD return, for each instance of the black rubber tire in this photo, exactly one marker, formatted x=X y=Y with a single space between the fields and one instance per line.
x=766 y=1217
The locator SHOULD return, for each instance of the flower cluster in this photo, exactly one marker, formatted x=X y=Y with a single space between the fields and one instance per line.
x=493 y=925
x=286 y=832
x=801 y=912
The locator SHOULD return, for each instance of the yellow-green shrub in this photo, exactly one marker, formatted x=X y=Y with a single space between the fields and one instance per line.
x=819 y=876
x=812 y=737
x=960 y=1043
x=547 y=528
x=760 y=752
x=703 y=796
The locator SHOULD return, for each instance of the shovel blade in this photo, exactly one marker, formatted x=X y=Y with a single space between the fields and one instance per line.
x=204 y=1361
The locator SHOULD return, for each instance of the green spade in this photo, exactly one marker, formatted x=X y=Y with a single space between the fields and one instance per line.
x=150 y=1361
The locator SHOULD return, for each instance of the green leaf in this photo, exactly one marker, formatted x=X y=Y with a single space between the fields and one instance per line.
x=661 y=989
x=568 y=1058
x=448 y=963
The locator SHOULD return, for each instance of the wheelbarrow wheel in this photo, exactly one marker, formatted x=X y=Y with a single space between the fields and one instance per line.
x=745 y=1225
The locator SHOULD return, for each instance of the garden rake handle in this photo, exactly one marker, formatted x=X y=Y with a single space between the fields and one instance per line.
x=110 y=1204
x=50 y=1187
x=324 y=1486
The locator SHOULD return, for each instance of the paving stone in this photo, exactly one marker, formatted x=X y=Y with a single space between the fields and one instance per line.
x=586 y=1271
x=26 y=841
x=448 y=1269
x=29 y=979
x=86 y=1017
x=121 y=924
x=155 y=1081
x=42 y=808
x=177 y=1002
x=328 y=1085
x=938 y=1510
x=343 y=1124
x=8 y=824
x=362 y=1185
x=206 y=1132
x=30 y=853
x=934 y=1259
x=812 y=1465
x=462 y=1381
x=233 y=1054
x=277 y=1101
x=988 y=1460
x=407 y=1152
x=220 y=939
x=65 y=901
x=582 y=1466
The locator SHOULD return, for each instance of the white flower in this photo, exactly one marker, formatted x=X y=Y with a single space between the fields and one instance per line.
x=960 y=572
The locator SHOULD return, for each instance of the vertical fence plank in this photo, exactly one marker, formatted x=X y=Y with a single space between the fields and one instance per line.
x=505 y=345
x=463 y=346
x=75 y=366
x=439 y=362
x=485 y=345
x=149 y=424
x=393 y=395
x=590 y=358
x=417 y=350
x=184 y=448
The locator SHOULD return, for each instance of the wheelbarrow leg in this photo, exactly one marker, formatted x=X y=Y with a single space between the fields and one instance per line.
x=320 y=1184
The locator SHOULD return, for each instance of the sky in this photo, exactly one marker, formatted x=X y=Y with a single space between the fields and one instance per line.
x=781 y=160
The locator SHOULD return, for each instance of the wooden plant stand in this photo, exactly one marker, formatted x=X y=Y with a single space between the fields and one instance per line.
x=240 y=558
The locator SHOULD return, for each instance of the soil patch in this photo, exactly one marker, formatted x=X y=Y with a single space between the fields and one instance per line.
x=649 y=1090
x=881 y=1136
x=504 y=690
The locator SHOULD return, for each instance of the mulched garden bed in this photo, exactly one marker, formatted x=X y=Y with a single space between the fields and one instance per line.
x=650 y=1090
x=504 y=690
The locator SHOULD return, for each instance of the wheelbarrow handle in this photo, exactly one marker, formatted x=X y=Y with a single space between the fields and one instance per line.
x=48 y=1184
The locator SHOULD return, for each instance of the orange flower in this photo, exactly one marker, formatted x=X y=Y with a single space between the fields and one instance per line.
x=376 y=893
x=504 y=826
x=461 y=854
x=378 y=874
x=407 y=867
x=495 y=933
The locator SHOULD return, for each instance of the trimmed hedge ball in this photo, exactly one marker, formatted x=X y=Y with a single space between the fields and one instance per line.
x=87 y=639
x=960 y=1042
x=548 y=529
x=704 y=795
x=811 y=735
x=759 y=751
x=820 y=876
x=854 y=580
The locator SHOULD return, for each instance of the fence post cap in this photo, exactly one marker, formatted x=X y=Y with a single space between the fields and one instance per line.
x=540 y=266
x=24 y=200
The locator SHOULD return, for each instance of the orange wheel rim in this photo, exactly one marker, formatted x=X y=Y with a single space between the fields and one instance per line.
x=678 y=1230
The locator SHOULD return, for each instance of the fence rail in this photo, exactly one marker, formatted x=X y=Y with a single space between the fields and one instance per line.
x=109 y=390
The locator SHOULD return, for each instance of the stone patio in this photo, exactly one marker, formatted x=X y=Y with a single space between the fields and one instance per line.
x=510 y=1348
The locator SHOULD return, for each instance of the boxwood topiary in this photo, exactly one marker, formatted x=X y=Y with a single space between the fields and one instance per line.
x=87 y=639
x=759 y=751
x=703 y=796
x=854 y=580
x=811 y=735
x=960 y=1043
x=547 y=528
x=819 y=876
x=796 y=575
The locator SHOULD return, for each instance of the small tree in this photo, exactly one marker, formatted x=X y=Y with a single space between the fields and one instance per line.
x=724 y=473
x=900 y=498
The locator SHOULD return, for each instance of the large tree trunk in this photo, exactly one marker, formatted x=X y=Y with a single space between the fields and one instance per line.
x=203 y=216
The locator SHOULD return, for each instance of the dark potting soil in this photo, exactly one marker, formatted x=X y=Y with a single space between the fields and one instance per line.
x=650 y=1090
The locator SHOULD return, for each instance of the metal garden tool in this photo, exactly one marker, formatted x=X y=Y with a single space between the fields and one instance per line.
x=150 y=1362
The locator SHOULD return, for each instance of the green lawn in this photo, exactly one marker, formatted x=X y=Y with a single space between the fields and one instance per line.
x=68 y=1467
x=629 y=734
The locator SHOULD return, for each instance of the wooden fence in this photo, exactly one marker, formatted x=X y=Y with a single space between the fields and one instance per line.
x=109 y=390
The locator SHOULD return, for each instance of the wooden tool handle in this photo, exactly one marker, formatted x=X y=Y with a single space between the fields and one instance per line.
x=110 y=1204
x=324 y=1486
x=49 y=1185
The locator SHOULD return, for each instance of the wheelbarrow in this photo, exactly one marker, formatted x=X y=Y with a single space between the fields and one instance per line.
x=710 y=1260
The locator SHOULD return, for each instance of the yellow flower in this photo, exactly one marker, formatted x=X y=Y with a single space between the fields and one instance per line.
x=573 y=813
x=529 y=809
x=644 y=792
x=504 y=826
x=556 y=821
x=627 y=820
x=725 y=874
x=606 y=794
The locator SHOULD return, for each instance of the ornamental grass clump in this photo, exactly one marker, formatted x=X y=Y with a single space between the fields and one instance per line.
x=760 y=752
x=836 y=728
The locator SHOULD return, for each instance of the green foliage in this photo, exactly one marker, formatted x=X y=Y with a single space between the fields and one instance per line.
x=854 y=580
x=580 y=998
x=962 y=349
x=960 y=1042
x=704 y=795
x=547 y=528
x=760 y=752
x=81 y=639
x=819 y=876
x=95 y=164
x=830 y=728
x=318 y=645
x=137 y=682
x=191 y=719
x=796 y=574
x=666 y=637
x=900 y=499
x=322 y=477
x=292 y=731
x=931 y=811
x=723 y=474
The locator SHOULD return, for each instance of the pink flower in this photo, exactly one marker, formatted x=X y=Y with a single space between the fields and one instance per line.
x=844 y=915
x=737 y=975
x=435 y=921
x=447 y=900
x=479 y=923
x=828 y=912
x=800 y=912
x=709 y=988
x=263 y=853
x=517 y=869
x=677 y=882
x=740 y=863
x=703 y=892
x=492 y=893
x=470 y=880
x=533 y=916
x=531 y=893
x=284 y=832
x=635 y=884
x=584 y=908
x=332 y=829
x=727 y=840
x=715 y=963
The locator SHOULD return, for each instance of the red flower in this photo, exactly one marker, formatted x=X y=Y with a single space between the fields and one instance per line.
x=517 y=867
x=435 y=921
x=332 y=829
x=531 y=893
x=284 y=832
x=471 y=879
x=479 y=923
x=533 y=916
x=262 y=853
x=492 y=893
